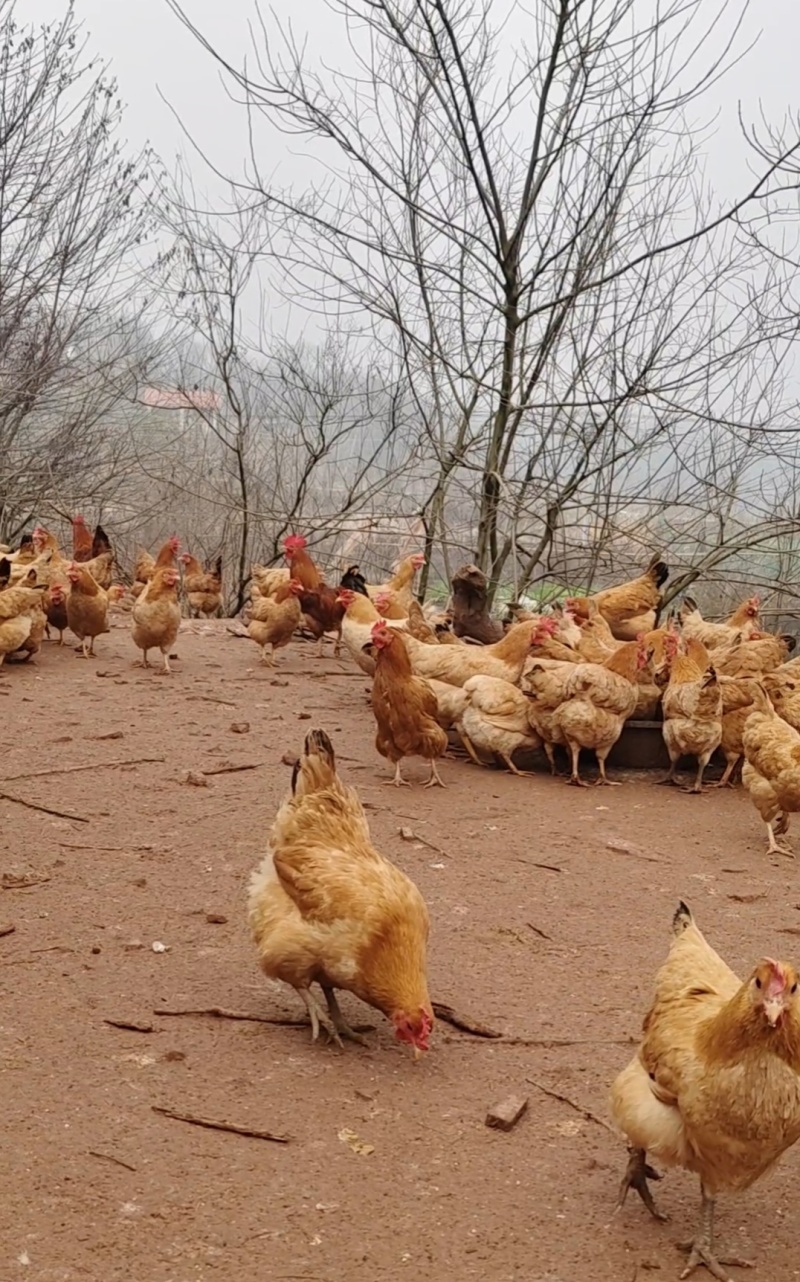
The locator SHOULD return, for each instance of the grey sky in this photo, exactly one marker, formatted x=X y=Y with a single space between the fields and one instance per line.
x=150 y=51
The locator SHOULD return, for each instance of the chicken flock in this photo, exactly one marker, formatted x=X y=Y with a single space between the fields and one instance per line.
x=714 y=1086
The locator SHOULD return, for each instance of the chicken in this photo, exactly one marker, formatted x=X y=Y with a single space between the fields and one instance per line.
x=156 y=616
x=267 y=579
x=19 y=611
x=752 y=657
x=739 y=627
x=274 y=619
x=549 y=646
x=630 y=608
x=301 y=567
x=737 y=704
x=714 y=1085
x=405 y=707
x=450 y=702
x=771 y=771
x=325 y=907
x=470 y=611
x=203 y=588
x=598 y=699
x=81 y=540
x=496 y=719
x=544 y=685
x=783 y=689
x=456 y=664
x=692 y=707
x=401 y=585
x=145 y=566
x=359 y=616
x=354 y=580
x=5 y=572
x=87 y=608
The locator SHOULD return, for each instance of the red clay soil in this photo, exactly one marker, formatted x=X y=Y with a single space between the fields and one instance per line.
x=551 y=911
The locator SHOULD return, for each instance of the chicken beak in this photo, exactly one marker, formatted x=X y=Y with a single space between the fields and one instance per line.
x=773 y=1009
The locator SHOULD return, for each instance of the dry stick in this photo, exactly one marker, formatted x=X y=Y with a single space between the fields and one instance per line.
x=585 y=1113
x=6 y=930
x=547 y=867
x=549 y=1043
x=106 y=1157
x=210 y=698
x=71 y=770
x=283 y=1021
x=76 y=845
x=537 y=931
x=467 y=1025
x=220 y=1126
x=232 y=770
x=46 y=810
x=131 y=1025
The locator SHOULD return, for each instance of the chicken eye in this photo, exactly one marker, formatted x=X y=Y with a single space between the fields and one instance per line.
x=794 y=988
x=758 y=983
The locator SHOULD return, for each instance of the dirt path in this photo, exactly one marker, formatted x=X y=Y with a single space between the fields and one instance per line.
x=98 y=1187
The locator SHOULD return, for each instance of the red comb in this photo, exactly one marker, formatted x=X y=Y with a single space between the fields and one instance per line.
x=778 y=980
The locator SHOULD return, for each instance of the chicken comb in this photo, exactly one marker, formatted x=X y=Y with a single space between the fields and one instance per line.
x=779 y=980
x=294 y=543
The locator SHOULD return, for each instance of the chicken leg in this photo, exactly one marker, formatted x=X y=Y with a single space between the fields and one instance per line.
x=316 y=1015
x=637 y=1173
x=774 y=847
x=435 y=780
x=701 y=1249
x=398 y=781
x=575 y=778
x=341 y=1029
x=603 y=781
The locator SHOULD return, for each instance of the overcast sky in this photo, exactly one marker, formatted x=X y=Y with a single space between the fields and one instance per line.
x=152 y=54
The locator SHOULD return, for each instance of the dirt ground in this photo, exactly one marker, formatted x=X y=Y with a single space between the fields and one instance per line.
x=541 y=928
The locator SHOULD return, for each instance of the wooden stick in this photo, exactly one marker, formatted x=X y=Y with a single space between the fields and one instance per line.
x=46 y=810
x=232 y=770
x=220 y=1126
x=210 y=698
x=537 y=931
x=585 y=1113
x=77 y=845
x=6 y=930
x=106 y=1157
x=548 y=1043
x=547 y=867
x=464 y=1022
x=71 y=770
x=131 y=1025
x=283 y=1021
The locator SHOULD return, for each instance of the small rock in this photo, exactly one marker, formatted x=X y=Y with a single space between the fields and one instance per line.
x=216 y=919
x=158 y=947
x=139 y=881
x=240 y=727
x=174 y=1057
x=96 y=949
x=113 y=734
x=194 y=778
x=276 y=682
x=133 y=945
x=505 y=1115
x=290 y=759
x=174 y=656
x=304 y=716
x=408 y=834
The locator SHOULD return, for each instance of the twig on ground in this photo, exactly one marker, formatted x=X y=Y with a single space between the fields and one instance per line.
x=585 y=1113
x=6 y=930
x=46 y=810
x=220 y=1126
x=283 y=1021
x=233 y=770
x=547 y=867
x=71 y=770
x=537 y=931
x=132 y=1025
x=464 y=1022
x=106 y=1157
x=210 y=698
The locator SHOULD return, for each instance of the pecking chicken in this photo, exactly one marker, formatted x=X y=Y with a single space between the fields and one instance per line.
x=325 y=907
x=597 y=700
x=405 y=707
x=203 y=588
x=273 y=620
x=771 y=771
x=156 y=616
x=20 y=611
x=456 y=664
x=714 y=1085
x=631 y=608
x=692 y=707
x=87 y=607
x=496 y=719
x=739 y=627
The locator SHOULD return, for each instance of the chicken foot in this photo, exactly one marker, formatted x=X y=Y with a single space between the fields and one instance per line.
x=341 y=1029
x=435 y=780
x=575 y=778
x=515 y=770
x=697 y=787
x=726 y=780
x=316 y=1015
x=603 y=781
x=701 y=1249
x=397 y=780
x=637 y=1173
x=775 y=847
x=470 y=747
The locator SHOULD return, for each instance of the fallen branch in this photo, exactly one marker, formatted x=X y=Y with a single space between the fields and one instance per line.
x=585 y=1113
x=283 y=1021
x=542 y=934
x=529 y=863
x=220 y=1126
x=46 y=810
x=106 y=1157
x=6 y=930
x=210 y=698
x=467 y=1025
x=71 y=770
x=549 y=1043
x=131 y=1025
x=232 y=770
x=77 y=845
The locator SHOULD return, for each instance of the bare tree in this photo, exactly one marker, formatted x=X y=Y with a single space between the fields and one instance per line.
x=71 y=218
x=528 y=230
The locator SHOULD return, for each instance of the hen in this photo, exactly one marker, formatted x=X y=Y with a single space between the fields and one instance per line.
x=360 y=615
x=739 y=627
x=631 y=608
x=456 y=664
x=156 y=616
x=87 y=607
x=496 y=719
x=273 y=620
x=714 y=1086
x=401 y=585
x=325 y=907
x=771 y=771
x=145 y=565
x=405 y=708
x=692 y=707
x=203 y=588
x=751 y=658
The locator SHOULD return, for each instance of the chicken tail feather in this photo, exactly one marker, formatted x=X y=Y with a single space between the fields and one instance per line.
x=682 y=919
x=316 y=769
x=659 y=571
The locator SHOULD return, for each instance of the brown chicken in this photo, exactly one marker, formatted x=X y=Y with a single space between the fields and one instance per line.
x=405 y=707
x=631 y=608
x=156 y=616
x=692 y=707
x=360 y=615
x=496 y=720
x=87 y=608
x=456 y=664
x=85 y=545
x=715 y=1085
x=301 y=567
x=751 y=658
x=203 y=588
x=401 y=585
x=737 y=704
x=273 y=620
x=20 y=611
x=145 y=566
x=771 y=771
x=739 y=627
x=326 y=908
